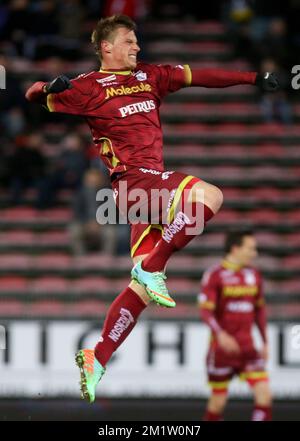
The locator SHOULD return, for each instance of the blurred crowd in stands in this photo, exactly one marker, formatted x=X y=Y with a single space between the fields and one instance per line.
x=40 y=39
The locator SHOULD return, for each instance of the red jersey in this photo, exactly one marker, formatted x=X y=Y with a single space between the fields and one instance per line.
x=233 y=294
x=122 y=111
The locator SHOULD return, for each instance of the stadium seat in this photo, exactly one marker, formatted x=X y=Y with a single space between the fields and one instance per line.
x=52 y=261
x=10 y=308
x=19 y=214
x=92 y=308
x=93 y=261
x=13 y=284
x=53 y=238
x=50 y=284
x=291 y=262
x=91 y=285
x=44 y=308
x=17 y=237
x=293 y=239
x=14 y=262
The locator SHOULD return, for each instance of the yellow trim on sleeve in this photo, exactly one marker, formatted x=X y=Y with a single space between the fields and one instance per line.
x=50 y=102
x=177 y=197
x=188 y=75
x=207 y=305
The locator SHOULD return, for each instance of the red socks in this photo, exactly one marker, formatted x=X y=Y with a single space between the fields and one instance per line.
x=177 y=235
x=262 y=413
x=212 y=416
x=120 y=320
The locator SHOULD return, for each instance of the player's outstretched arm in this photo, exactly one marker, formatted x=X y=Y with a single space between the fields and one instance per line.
x=39 y=90
x=223 y=78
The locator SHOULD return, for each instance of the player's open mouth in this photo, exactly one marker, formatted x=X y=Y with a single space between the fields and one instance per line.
x=133 y=57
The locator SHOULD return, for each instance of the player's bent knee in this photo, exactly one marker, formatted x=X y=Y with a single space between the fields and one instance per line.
x=214 y=198
x=208 y=194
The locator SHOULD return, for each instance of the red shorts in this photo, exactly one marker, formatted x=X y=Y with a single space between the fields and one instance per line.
x=148 y=230
x=221 y=368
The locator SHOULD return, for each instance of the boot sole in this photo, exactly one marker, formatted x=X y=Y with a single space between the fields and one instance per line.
x=79 y=359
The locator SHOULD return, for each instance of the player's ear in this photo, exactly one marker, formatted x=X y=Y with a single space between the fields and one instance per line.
x=106 y=47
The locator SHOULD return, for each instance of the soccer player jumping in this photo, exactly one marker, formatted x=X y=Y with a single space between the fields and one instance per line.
x=231 y=302
x=120 y=103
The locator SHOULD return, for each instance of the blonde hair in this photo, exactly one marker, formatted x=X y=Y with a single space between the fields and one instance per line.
x=107 y=26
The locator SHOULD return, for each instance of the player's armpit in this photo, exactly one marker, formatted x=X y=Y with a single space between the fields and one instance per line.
x=220 y=78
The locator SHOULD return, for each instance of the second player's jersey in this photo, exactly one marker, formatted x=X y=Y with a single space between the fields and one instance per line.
x=233 y=293
x=122 y=111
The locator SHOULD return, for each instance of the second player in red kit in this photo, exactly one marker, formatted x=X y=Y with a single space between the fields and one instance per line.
x=231 y=302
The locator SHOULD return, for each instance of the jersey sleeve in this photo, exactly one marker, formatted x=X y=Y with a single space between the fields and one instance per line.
x=260 y=300
x=75 y=101
x=170 y=78
x=207 y=297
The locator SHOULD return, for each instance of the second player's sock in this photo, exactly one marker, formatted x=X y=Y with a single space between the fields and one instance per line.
x=212 y=416
x=262 y=413
x=120 y=320
x=176 y=236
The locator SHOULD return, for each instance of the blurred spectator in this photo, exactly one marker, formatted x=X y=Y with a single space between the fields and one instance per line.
x=28 y=167
x=237 y=16
x=136 y=9
x=258 y=29
x=12 y=102
x=72 y=162
x=274 y=43
x=293 y=20
x=16 y=22
x=43 y=39
x=189 y=9
x=275 y=106
x=69 y=167
x=87 y=234
x=71 y=19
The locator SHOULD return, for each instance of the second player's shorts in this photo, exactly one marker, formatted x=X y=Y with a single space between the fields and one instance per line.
x=144 y=235
x=221 y=368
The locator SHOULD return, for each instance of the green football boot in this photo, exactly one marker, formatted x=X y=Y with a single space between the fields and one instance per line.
x=154 y=283
x=91 y=373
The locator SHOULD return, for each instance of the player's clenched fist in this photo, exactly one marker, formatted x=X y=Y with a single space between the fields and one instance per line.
x=59 y=84
x=267 y=82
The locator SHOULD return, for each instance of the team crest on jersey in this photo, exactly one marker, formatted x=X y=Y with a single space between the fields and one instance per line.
x=250 y=278
x=141 y=76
